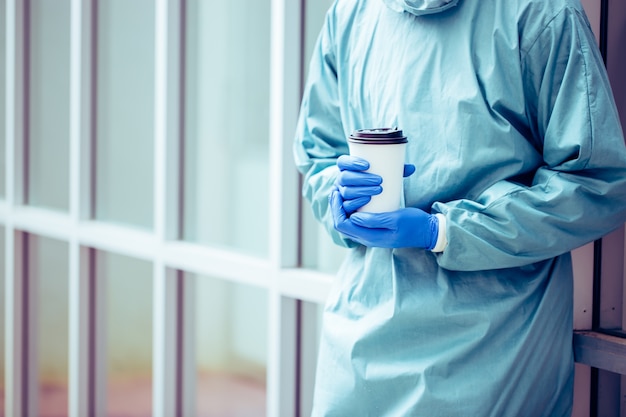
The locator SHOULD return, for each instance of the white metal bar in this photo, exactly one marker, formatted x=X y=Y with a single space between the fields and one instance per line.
x=83 y=361
x=80 y=383
x=108 y=237
x=75 y=106
x=309 y=344
x=284 y=104
x=10 y=92
x=165 y=296
x=30 y=280
x=9 y=244
x=187 y=350
x=14 y=322
x=84 y=90
x=141 y=244
x=19 y=149
x=217 y=263
x=78 y=297
x=600 y=350
x=281 y=378
x=39 y=221
x=283 y=221
x=165 y=312
x=11 y=354
x=98 y=332
x=170 y=111
x=160 y=117
x=13 y=349
x=305 y=284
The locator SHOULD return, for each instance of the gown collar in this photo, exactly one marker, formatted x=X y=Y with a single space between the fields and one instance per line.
x=420 y=7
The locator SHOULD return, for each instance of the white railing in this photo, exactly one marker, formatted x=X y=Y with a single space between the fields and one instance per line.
x=170 y=257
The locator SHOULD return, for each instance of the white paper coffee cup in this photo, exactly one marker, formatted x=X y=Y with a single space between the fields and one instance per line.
x=384 y=149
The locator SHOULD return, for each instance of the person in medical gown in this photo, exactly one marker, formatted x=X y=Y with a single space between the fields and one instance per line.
x=459 y=303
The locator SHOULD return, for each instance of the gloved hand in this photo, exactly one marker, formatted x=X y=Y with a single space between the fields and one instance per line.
x=357 y=186
x=404 y=228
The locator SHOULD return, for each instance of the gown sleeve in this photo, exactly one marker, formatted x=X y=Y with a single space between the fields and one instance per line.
x=320 y=137
x=579 y=192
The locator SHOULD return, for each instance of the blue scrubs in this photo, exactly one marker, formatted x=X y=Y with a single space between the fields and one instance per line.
x=517 y=142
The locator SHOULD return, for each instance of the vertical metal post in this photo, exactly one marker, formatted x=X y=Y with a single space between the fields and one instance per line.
x=12 y=378
x=170 y=340
x=285 y=82
x=87 y=377
x=187 y=349
x=165 y=343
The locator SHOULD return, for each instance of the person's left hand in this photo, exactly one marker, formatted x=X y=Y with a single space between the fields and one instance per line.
x=405 y=228
x=357 y=186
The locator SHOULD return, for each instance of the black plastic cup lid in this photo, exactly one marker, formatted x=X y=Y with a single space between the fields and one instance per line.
x=378 y=136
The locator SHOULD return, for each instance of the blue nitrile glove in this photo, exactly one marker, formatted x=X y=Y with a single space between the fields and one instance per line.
x=404 y=228
x=357 y=186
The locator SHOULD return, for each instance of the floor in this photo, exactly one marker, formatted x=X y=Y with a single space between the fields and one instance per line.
x=219 y=395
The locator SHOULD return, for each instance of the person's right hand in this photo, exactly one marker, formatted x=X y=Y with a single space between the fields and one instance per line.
x=354 y=184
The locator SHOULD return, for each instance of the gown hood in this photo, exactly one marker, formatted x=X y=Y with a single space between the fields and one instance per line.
x=421 y=7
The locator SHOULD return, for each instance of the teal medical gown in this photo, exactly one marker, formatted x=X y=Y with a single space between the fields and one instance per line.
x=515 y=135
